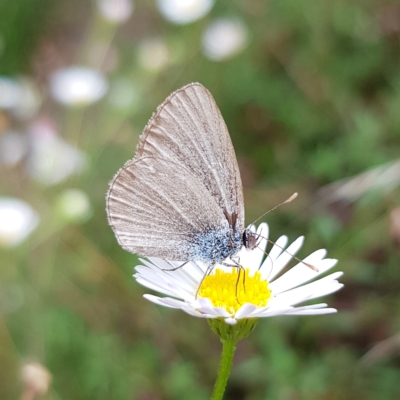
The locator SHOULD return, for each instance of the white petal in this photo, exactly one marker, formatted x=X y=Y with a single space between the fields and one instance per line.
x=215 y=311
x=188 y=273
x=284 y=258
x=273 y=306
x=245 y=310
x=312 y=290
x=270 y=312
x=167 y=301
x=153 y=274
x=195 y=313
x=171 y=280
x=292 y=297
x=178 y=288
x=329 y=289
x=206 y=307
x=259 y=252
x=173 y=303
x=252 y=258
x=269 y=264
x=278 y=247
x=289 y=310
x=165 y=288
x=192 y=270
x=231 y=321
x=310 y=307
x=158 y=300
x=156 y=288
x=314 y=312
x=300 y=273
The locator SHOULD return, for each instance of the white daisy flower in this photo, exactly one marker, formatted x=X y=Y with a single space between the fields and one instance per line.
x=228 y=294
x=116 y=11
x=224 y=38
x=17 y=220
x=51 y=159
x=73 y=205
x=77 y=86
x=21 y=96
x=13 y=147
x=36 y=379
x=9 y=93
x=184 y=11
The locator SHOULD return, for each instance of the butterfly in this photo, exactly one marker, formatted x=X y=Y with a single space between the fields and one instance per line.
x=181 y=197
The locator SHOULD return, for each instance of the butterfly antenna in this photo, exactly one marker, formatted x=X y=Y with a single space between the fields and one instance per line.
x=292 y=255
x=291 y=198
x=244 y=281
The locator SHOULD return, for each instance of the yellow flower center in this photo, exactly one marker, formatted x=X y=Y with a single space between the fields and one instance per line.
x=230 y=290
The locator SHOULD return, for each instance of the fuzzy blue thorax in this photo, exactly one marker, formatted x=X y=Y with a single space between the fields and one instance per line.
x=215 y=245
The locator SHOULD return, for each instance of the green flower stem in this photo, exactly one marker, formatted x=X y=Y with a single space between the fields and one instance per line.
x=228 y=351
x=229 y=335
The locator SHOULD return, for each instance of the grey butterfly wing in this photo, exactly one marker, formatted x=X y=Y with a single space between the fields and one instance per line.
x=156 y=208
x=188 y=129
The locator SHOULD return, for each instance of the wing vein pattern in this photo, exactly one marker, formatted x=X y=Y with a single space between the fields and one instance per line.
x=183 y=182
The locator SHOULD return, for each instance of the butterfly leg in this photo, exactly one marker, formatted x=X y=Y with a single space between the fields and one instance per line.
x=236 y=264
x=208 y=272
x=175 y=268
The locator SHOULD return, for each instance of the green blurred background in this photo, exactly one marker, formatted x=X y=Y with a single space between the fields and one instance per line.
x=310 y=91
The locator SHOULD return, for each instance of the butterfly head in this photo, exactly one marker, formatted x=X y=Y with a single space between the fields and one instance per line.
x=250 y=239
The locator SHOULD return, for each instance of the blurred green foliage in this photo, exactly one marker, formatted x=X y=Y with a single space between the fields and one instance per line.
x=314 y=98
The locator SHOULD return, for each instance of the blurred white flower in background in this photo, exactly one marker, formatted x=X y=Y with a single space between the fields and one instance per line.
x=29 y=99
x=77 y=86
x=9 y=93
x=123 y=94
x=73 y=205
x=20 y=96
x=51 y=159
x=153 y=54
x=13 y=147
x=184 y=11
x=116 y=11
x=224 y=38
x=36 y=379
x=17 y=220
